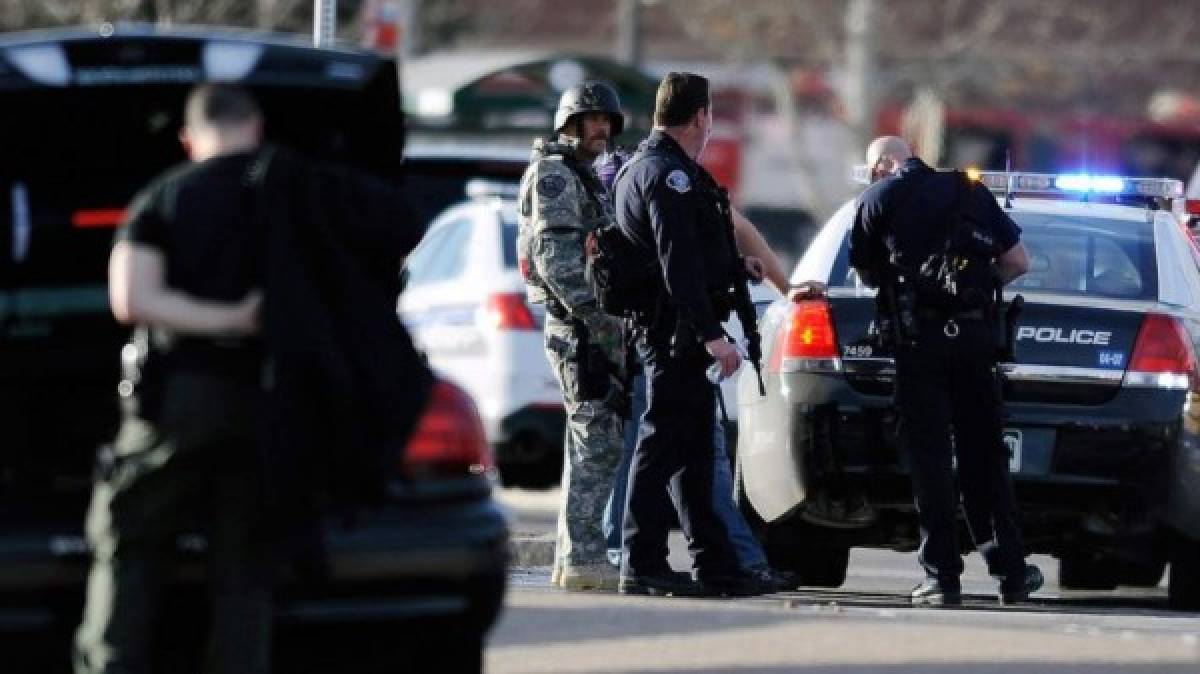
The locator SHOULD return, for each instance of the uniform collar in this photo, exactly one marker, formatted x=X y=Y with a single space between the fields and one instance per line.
x=913 y=166
x=663 y=142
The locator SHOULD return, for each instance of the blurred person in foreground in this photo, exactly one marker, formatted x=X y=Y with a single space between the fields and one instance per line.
x=221 y=390
x=916 y=232
x=560 y=202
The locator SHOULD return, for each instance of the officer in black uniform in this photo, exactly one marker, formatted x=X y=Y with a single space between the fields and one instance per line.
x=945 y=365
x=668 y=205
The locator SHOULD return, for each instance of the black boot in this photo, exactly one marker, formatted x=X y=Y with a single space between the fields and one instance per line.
x=664 y=583
x=735 y=584
x=1023 y=585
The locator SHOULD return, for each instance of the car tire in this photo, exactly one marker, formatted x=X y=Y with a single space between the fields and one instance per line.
x=540 y=466
x=1082 y=571
x=817 y=566
x=1183 y=578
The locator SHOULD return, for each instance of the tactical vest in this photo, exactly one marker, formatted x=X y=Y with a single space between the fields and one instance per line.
x=596 y=207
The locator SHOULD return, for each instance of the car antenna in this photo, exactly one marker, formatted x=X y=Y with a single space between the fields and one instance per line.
x=1008 y=182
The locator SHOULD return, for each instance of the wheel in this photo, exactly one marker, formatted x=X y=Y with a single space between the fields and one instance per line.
x=789 y=549
x=1081 y=571
x=539 y=465
x=1183 y=578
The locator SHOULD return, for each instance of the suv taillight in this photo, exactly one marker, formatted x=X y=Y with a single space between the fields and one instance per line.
x=806 y=336
x=508 y=311
x=1162 y=355
x=449 y=440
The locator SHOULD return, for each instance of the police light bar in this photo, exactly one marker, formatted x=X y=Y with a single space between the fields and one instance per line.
x=1064 y=184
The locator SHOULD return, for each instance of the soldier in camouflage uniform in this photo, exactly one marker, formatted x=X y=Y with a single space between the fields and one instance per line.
x=560 y=201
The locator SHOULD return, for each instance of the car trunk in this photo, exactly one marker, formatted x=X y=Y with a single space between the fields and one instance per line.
x=1068 y=350
x=75 y=152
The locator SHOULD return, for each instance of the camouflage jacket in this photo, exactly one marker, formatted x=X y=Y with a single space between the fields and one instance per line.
x=555 y=213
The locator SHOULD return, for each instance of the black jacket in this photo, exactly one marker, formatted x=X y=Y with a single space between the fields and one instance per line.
x=667 y=204
x=346 y=385
x=902 y=218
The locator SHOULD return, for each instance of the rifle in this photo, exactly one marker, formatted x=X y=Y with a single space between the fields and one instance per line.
x=743 y=306
x=1006 y=326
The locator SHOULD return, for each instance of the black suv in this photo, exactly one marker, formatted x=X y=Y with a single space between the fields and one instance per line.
x=90 y=117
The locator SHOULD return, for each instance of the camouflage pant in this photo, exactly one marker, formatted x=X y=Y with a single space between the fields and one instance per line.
x=197 y=465
x=593 y=450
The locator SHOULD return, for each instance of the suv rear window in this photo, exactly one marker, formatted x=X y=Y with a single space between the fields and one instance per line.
x=1095 y=257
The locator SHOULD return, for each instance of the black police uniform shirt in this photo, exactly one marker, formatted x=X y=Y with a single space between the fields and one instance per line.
x=666 y=202
x=201 y=217
x=906 y=213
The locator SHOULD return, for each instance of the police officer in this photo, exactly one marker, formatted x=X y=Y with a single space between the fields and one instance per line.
x=560 y=201
x=669 y=206
x=945 y=363
x=211 y=386
x=185 y=264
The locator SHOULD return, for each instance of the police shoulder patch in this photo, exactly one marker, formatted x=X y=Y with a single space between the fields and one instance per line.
x=678 y=180
x=551 y=186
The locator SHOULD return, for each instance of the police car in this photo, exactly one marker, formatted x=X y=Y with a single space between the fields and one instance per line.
x=1103 y=426
x=465 y=305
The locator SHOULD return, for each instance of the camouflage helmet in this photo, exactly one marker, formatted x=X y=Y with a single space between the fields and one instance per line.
x=591 y=96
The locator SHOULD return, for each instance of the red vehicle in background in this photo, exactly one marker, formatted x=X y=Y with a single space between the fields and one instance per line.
x=988 y=138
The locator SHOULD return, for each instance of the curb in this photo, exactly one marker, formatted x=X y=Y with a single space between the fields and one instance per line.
x=528 y=550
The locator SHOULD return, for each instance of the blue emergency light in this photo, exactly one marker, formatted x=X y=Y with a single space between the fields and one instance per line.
x=1086 y=183
x=1074 y=185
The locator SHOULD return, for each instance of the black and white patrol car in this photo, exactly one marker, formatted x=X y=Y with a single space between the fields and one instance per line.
x=1102 y=397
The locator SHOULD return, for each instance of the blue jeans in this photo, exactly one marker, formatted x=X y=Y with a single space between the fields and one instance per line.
x=749 y=553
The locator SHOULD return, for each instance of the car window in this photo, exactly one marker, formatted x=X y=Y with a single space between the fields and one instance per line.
x=508 y=239
x=1088 y=256
x=1069 y=254
x=442 y=255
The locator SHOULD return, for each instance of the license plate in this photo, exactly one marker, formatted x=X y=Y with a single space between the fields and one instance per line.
x=1012 y=440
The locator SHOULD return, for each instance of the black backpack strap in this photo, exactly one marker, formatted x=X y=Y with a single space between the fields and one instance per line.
x=954 y=218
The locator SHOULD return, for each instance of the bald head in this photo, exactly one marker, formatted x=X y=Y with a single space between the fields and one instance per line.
x=885 y=155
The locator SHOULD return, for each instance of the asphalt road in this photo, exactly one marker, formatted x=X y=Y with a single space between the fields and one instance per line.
x=865 y=626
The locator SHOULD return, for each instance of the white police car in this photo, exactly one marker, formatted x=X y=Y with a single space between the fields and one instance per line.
x=465 y=306
x=1102 y=398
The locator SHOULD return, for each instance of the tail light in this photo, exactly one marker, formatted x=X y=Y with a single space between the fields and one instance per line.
x=806 y=339
x=449 y=440
x=1162 y=355
x=508 y=311
x=97 y=218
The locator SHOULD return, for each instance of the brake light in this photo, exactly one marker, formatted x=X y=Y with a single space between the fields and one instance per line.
x=95 y=218
x=1162 y=355
x=1192 y=206
x=449 y=440
x=508 y=311
x=806 y=334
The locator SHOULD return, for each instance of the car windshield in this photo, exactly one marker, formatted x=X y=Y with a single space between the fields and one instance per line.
x=1078 y=255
